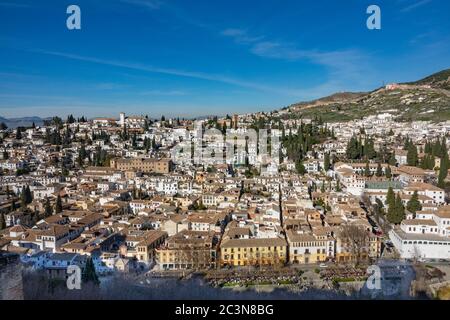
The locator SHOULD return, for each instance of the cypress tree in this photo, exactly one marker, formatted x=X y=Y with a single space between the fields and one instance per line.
x=399 y=210
x=379 y=172
x=367 y=169
x=300 y=167
x=412 y=157
x=48 y=208
x=2 y=222
x=392 y=161
x=18 y=134
x=388 y=172
x=28 y=195
x=428 y=148
x=390 y=198
x=23 y=200
x=89 y=274
x=391 y=213
x=443 y=171
x=58 y=205
x=413 y=204
x=326 y=162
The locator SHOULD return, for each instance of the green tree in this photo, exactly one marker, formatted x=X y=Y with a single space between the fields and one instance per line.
x=391 y=160
x=367 y=169
x=81 y=155
x=413 y=204
x=18 y=134
x=391 y=213
x=2 y=221
x=58 y=205
x=399 y=210
x=412 y=158
x=353 y=148
x=443 y=171
x=224 y=128
x=25 y=196
x=89 y=273
x=369 y=149
x=388 y=172
x=379 y=172
x=300 y=167
x=154 y=145
x=48 y=211
x=327 y=162
x=396 y=211
x=390 y=197
x=28 y=195
x=23 y=202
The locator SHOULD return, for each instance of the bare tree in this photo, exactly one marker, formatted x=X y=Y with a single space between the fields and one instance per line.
x=356 y=240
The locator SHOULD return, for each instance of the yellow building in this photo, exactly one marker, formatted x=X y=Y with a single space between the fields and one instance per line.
x=305 y=248
x=245 y=252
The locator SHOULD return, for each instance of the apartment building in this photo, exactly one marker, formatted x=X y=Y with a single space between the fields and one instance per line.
x=427 y=236
x=308 y=247
x=188 y=250
x=142 y=164
x=252 y=252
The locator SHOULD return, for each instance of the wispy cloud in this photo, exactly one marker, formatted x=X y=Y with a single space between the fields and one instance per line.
x=277 y=50
x=174 y=72
x=344 y=66
x=415 y=5
x=421 y=36
x=109 y=86
x=148 y=4
x=163 y=93
x=240 y=35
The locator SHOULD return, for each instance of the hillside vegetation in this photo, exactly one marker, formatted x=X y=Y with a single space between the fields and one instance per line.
x=426 y=99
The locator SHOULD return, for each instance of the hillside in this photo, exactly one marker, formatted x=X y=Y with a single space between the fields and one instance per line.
x=426 y=99
x=439 y=80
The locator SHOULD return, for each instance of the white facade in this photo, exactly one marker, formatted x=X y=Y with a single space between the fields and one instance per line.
x=425 y=237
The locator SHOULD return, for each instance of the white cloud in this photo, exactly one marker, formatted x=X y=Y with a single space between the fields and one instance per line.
x=240 y=35
x=346 y=68
x=163 y=93
x=174 y=72
x=415 y=5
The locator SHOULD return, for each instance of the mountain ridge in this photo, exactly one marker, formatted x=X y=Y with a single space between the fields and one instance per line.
x=22 y=121
x=424 y=99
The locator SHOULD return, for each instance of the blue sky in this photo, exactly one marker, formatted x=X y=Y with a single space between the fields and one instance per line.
x=190 y=58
